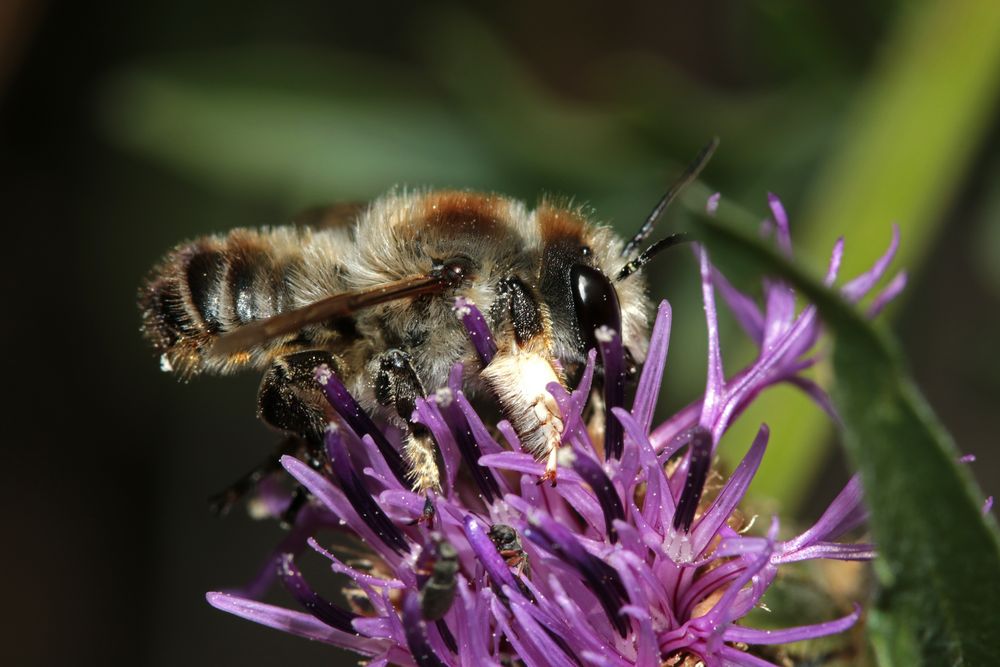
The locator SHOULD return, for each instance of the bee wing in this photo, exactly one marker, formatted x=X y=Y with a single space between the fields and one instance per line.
x=337 y=305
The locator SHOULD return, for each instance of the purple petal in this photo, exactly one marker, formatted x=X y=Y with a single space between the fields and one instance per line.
x=781 y=219
x=657 y=586
x=591 y=472
x=317 y=605
x=335 y=499
x=428 y=413
x=526 y=464
x=987 y=505
x=711 y=581
x=763 y=372
x=359 y=497
x=306 y=523
x=863 y=284
x=744 y=309
x=839 y=517
x=481 y=434
x=510 y=435
x=663 y=436
x=647 y=651
x=779 y=311
x=829 y=550
x=891 y=291
x=714 y=386
x=293 y=622
x=466 y=439
x=358 y=420
x=613 y=360
x=736 y=658
x=379 y=469
x=648 y=389
x=472 y=621
x=478 y=331
x=836 y=256
x=582 y=391
x=737 y=633
x=526 y=651
x=416 y=634
x=357 y=575
x=712 y=204
x=570 y=408
x=601 y=578
x=496 y=567
x=730 y=496
x=543 y=638
x=723 y=612
x=816 y=393
x=658 y=499
x=588 y=635
x=699 y=462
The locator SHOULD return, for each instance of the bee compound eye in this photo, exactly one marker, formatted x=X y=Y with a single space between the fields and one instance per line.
x=595 y=302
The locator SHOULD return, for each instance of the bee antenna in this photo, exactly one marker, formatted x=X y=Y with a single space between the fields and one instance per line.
x=689 y=175
x=646 y=256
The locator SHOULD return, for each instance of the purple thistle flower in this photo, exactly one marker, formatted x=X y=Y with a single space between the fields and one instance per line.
x=628 y=561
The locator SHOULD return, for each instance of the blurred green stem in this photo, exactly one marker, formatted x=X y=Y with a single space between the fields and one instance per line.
x=904 y=148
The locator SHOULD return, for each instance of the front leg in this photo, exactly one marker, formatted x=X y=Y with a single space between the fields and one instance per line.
x=520 y=372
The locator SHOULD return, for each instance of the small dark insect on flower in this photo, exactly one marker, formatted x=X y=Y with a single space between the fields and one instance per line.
x=444 y=355
x=438 y=569
x=507 y=542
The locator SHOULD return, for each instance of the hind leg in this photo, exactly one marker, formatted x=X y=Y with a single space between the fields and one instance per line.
x=224 y=501
x=289 y=400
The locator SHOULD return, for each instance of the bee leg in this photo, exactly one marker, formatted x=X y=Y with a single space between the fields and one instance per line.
x=397 y=385
x=521 y=372
x=291 y=400
x=222 y=502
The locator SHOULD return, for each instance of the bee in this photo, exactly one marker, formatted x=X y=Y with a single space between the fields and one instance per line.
x=369 y=292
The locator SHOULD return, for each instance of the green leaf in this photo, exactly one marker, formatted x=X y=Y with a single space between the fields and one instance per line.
x=939 y=562
x=903 y=149
x=234 y=123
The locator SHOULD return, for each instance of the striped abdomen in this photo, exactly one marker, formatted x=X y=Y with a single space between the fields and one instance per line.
x=216 y=284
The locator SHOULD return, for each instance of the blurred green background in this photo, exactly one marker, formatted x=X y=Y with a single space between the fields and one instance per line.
x=126 y=128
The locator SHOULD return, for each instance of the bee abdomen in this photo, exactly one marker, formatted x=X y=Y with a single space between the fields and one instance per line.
x=255 y=284
x=204 y=273
x=214 y=285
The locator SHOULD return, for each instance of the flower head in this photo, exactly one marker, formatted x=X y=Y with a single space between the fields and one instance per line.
x=628 y=561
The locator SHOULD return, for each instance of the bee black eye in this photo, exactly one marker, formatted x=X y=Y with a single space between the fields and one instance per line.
x=586 y=251
x=596 y=303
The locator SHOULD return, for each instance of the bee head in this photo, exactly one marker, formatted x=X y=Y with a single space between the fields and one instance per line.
x=579 y=263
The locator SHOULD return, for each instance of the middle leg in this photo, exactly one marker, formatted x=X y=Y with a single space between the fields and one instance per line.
x=397 y=385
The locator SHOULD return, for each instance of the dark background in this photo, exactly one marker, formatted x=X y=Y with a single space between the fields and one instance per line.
x=127 y=127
